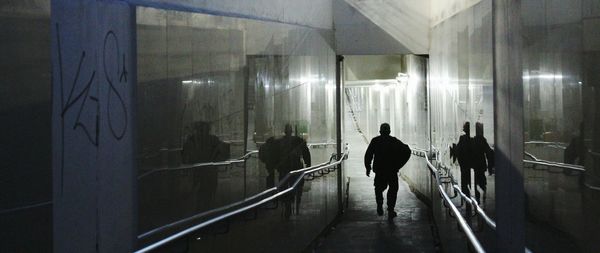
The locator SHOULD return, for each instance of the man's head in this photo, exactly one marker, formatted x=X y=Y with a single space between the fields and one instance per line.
x=288 y=130
x=201 y=128
x=478 y=129
x=384 y=129
x=467 y=128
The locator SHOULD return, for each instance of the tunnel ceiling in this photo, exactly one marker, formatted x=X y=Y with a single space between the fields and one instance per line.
x=382 y=26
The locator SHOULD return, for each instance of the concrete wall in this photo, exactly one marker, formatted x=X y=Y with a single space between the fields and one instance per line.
x=444 y=9
x=391 y=27
x=356 y=34
x=313 y=13
x=365 y=27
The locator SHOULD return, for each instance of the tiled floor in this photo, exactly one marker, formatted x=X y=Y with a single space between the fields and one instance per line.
x=361 y=230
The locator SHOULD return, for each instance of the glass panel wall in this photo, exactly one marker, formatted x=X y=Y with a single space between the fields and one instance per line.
x=560 y=81
x=212 y=89
x=25 y=132
x=461 y=90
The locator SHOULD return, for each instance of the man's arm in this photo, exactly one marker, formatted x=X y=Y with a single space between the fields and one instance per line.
x=306 y=154
x=489 y=155
x=369 y=158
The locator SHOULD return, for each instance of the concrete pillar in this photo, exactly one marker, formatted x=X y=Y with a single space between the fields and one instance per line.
x=93 y=87
x=508 y=125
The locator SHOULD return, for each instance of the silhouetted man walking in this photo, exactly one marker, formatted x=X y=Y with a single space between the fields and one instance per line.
x=390 y=155
x=269 y=154
x=483 y=159
x=293 y=151
x=464 y=154
x=201 y=147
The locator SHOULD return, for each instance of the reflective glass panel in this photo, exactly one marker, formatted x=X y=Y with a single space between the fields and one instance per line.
x=25 y=131
x=214 y=91
x=560 y=79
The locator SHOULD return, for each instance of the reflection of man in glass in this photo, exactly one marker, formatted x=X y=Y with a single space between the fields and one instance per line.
x=269 y=154
x=390 y=154
x=293 y=150
x=576 y=151
x=202 y=147
x=464 y=154
x=483 y=158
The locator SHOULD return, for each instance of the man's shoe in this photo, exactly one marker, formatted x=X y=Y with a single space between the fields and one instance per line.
x=379 y=210
x=392 y=215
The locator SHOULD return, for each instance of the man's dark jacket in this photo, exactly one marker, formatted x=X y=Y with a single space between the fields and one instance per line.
x=465 y=152
x=390 y=154
x=483 y=155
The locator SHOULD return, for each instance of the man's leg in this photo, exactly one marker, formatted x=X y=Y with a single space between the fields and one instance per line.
x=299 y=196
x=270 y=178
x=286 y=200
x=477 y=183
x=480 y=181
x=380 y=186
x=484 y=186
x=465 y=182
x=392 y=194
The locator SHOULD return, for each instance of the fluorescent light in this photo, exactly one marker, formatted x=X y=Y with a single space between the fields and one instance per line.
x=544 y=77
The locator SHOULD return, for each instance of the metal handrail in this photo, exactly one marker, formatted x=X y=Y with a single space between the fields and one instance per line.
x=249 y=153
x=572 y=167
x=302 y=172
x=461 y=221
x=556 y=165
x=470 y=200
x=474 y=203
x=25 y=207
x=318 y=144
x=172 y=225
x=242 y=159
x=308 y=144
x=530 y=156
x=547 y=143
x=591 y=187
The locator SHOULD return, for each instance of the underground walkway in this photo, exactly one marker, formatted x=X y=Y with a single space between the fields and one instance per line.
x=361 y=230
